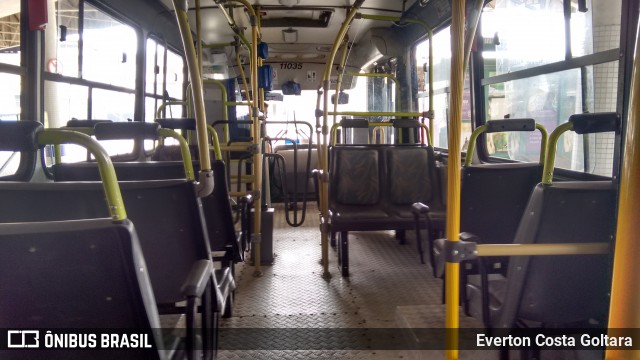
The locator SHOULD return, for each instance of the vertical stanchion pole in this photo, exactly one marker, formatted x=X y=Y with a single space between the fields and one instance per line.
x=323 y=146
x=257 y=136
x=204 y=186
x=452 y=291
x=625 y=289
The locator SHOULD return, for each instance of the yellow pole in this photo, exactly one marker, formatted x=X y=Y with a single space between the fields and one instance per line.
x=452 y=291
x=322 y=146
x=625 y=292
x=196 y=83
x=198 y=35
x=225 y=111
x=257 y=158
x=343 y=60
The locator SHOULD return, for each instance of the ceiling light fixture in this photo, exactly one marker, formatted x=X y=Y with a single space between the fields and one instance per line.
x=289 y=3
x=290 y=35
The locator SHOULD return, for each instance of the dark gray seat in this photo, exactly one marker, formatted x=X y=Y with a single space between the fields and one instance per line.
x=125 y=171
x=553 y=290
x=168 y=218
x=373 y=187
x=492 y=200
x=85 y=274
x=20 y=136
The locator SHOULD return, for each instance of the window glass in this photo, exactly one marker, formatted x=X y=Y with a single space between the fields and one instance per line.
x=114 y=106
x=175 y=75
x=10 y=32
x=441 y=82
x=551 y=98
x=65 y=58
x=9 y=162
x=9 y=96
x=64 y=102
x=525 y=33
x=109 y=52
x=155 y=67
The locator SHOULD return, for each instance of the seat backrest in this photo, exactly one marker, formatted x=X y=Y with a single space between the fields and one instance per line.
x=561 y=289
x=167 y=214
x=412 y=176
x=125 y=171
x=493 y=198
x=218 y=213
x=20 y=136
x=356 y=175
x=86 y=274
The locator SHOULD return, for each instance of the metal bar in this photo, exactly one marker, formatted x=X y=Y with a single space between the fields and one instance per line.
x=105 y=166
x=334 y=128
x=625 y=292
x=10 y=69
x=168 y=103
x=482 y=128
x=213 y=46
x=184 y=151
x=77 y=81
x=377 y=113
x=244 y=82
x=547 y=172
x=256 y=129
x=216 y=142
x=452 y=287
x=573 y=63
x=323 y=149
x=205 y=185
x=542 y=249
x=472 y=143
x=343 y=61
x=198 y=36
x=225 y=110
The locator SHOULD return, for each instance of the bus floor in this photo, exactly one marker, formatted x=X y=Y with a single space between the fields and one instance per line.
x=291 y=312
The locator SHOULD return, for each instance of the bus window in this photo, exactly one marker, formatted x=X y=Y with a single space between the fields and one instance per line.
x=161 y=76
x=550 y=94
x=441 y=79
x=10 y=55
x=302 y=108
x=67 y=37
x=109 y=53
x=10 y=36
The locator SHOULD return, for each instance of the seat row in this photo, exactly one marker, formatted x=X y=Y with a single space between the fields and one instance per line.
x=71 y=261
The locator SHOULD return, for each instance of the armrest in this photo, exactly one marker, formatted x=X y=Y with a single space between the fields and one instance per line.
x=247 y=199
x=419 y=209
x=199 y=276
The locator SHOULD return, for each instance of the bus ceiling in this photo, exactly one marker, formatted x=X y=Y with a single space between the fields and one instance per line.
x=292 y=23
